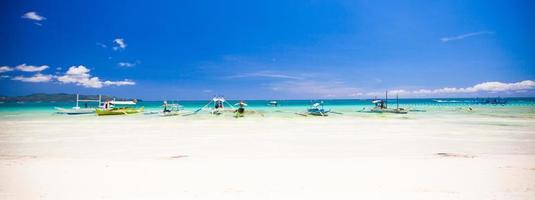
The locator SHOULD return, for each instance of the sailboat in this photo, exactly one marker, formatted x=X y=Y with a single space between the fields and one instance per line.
x=110 y=108
x=76 y=110
x=381 y=106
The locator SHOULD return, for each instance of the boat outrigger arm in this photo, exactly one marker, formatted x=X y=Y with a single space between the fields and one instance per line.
x=87 y=100
x=77 y=109
x=316 y=109
x=214 y=100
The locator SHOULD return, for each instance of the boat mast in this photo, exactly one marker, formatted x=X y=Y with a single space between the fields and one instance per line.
x=397 y=101
x=386 y=101
x=77 y=99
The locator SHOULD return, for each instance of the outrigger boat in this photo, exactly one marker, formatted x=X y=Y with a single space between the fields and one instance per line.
x=219 y=106
x=171 y=109
x=241 y=110
x=317 y=109
x=109 y=108
x=77 y=110
x=381 y=106
x=216 y=106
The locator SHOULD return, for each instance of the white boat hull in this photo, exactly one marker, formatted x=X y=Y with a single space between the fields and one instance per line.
x=386 y=110
x=79 y=111
x=172 y=113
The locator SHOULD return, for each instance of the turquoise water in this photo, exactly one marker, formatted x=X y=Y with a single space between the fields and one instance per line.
x=515 y=107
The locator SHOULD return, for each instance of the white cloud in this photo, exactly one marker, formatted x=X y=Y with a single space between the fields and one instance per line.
x=126 y=64
x=93 y=82
x=492 y=87
x=265 y=74
x=79 y=75
x=34 y=79
x=31 y=68
x=119 y=83
x=483 y=87
x=120 y=44
x=5 y=69
x=339 y=89
x=102 y=45
x=207 y=91
x=499 y=86
x=463 y=36
x=33 y=16
x=399 y=92
x=4 y=76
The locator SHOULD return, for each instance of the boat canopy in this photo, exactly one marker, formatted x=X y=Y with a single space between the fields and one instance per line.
x=218 y=99
x=377 y=101
x=123 y=102
x=88 y=100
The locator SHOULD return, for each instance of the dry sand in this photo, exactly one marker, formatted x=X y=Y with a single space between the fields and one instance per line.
x=266 y=158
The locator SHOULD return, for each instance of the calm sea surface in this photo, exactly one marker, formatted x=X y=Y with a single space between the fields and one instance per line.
x=420 y=108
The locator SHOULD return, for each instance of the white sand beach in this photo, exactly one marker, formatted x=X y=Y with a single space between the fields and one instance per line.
x=267 y=100
x=128 y=157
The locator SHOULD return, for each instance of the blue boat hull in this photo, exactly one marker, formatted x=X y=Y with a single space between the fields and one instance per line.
x=318 y=112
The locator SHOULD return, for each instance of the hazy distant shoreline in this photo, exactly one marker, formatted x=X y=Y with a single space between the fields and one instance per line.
x=66 y=97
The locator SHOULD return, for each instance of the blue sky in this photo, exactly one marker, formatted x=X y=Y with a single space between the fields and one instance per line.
x=268 y=49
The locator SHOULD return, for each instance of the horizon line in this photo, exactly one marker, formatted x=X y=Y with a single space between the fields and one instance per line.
x=282 y=99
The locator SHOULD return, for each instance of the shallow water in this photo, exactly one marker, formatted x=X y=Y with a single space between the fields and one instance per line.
x=516 y=108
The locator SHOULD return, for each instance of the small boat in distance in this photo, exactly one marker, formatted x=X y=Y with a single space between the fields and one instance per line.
x=110 y=108
x=77 y=110
x=381 y=106
x=273 y=103
x=491 y=101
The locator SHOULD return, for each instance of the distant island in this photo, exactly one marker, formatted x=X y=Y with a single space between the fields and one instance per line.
x=57 y=97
